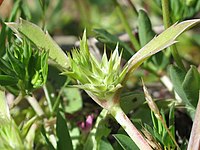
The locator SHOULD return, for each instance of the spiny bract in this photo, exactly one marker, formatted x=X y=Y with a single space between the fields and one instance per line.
x=103 y=78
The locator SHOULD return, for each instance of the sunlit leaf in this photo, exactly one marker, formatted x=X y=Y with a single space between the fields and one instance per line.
x=159 y=43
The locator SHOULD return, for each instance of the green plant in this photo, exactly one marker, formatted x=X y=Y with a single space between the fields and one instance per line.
x=62 y=118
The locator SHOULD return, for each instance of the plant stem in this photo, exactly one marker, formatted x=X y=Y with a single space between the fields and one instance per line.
x=130 y=129
x=127 y=27
x=57 y=101
x=165 y=11
x=194 y=142
x=35 y=105
x=46 y=92
x=133 y=7
x=166 y=21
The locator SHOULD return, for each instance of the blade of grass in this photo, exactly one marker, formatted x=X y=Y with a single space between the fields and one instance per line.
x=64 y=140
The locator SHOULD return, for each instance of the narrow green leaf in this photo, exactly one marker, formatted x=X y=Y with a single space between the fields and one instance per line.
x=6 y=67
x=144 y=28
x=14 y=11
x=172 y=120
x=41 y=40
x=125 y=142
x=25 y=10
x=64 y=139
x=6 y=80
x=2 y=39
x=159 y=43
x=17 y=66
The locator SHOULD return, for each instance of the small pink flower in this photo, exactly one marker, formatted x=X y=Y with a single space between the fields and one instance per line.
x=87 y=125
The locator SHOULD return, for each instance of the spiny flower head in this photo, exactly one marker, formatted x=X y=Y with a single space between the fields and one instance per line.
x=103 y=78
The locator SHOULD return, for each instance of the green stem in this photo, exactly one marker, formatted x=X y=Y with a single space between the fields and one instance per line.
x=133 y=7
x=165 y=11
x=130 y=129
x=43 y=7
x=46 y=92
x=166 y=21
x=57 y=101
x=127 y=27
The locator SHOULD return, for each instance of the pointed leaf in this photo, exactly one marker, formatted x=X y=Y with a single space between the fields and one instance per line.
x=64 y=139
x=144 y=28
x=6 y=80
x=159 y=43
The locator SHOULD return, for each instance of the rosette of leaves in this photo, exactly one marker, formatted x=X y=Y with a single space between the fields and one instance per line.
x=102 y=79
x=23 y=67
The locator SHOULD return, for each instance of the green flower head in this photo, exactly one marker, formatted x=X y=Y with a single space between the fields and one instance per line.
x=103 y=78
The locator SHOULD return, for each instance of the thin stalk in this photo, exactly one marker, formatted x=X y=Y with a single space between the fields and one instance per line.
x=133 y=7
x=194 y=141
x=127 y=27
x=130 y=129
x=166 y=21
x=43 y=7
x=46 y=92
x=35 y=105
x=165 y=12
x=57 y=101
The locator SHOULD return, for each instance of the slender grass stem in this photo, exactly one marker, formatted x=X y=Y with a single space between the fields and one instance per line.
x=166 y=21
x=126 y=25
x=46 y=92
x=57 y=102
x=130 y=129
